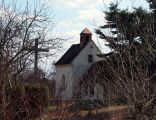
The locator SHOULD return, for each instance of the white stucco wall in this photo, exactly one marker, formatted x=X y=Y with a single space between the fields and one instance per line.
x=67 y=71
x=80 y=63
x=75 y=70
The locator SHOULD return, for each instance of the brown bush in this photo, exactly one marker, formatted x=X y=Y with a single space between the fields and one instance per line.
x=27 y=104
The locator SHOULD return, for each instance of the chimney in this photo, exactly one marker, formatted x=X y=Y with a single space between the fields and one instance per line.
x=85 y=37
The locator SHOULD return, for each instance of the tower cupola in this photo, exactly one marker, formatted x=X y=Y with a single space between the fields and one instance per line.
x=85 y=37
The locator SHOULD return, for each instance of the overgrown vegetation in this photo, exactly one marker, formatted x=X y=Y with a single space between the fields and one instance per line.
x=26 y=102
x=127 y=74
x=129 y=70
x=19 y=29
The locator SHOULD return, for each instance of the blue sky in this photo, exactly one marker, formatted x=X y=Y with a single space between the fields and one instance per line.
x=72 y=16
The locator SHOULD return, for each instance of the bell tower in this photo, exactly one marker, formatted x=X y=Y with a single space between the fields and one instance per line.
x=85 y=36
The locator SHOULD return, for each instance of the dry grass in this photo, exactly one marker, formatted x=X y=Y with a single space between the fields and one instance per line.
x=103 y=110
x=53 y=113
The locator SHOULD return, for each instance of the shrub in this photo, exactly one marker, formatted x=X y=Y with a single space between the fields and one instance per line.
x=38 y=98
x=27 y=103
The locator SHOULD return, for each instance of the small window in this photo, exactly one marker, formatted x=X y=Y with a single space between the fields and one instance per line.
x=91 y=90
x=90 y=58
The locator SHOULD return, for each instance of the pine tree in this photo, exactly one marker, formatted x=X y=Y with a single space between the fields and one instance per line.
x=125 y=27
x=152 y=5
x=131 y=68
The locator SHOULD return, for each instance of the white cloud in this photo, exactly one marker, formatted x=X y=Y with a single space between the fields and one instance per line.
x=91 y=15
x=71 y=3
x=80 y=3
x=70 y=24
x=87 y=13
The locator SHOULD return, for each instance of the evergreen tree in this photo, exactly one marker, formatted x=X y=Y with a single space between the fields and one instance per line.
x=152 y=5
x=131 y=69
x=126 y=27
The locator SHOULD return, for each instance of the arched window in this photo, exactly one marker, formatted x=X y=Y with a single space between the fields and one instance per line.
x=91 y=90
x=63 y=82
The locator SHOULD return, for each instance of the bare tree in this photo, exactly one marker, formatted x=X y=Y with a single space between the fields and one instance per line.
x=18 y=30
x=128 y=72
